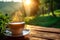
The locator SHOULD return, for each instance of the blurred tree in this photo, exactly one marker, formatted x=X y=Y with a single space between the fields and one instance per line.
x=43 y=7
x=57 y=4
x=52 y=7
x=49 y=5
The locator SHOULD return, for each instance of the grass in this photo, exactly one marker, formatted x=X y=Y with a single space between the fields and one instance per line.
x=46 y=21
x=56 y=12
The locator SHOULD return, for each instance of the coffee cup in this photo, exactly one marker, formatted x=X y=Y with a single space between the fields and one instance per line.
x=16 y=28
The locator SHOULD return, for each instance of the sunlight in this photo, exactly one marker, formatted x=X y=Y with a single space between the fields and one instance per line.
x=27 y=27
x=28 y=2
x=17 y=17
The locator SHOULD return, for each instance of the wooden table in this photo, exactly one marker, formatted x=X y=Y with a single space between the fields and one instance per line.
x=43 y=33
x=40 y=33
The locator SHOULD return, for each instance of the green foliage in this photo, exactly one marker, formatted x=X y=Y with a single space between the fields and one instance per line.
x=46 y=21
x=57 y=13
x=57 y=24
x=3 y=21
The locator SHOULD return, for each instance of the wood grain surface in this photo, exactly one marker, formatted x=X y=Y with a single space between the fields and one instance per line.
x=43 y=33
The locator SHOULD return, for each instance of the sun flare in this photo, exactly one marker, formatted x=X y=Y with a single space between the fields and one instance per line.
x=28 y=2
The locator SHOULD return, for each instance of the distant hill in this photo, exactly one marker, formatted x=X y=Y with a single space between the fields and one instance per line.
x=9 y=7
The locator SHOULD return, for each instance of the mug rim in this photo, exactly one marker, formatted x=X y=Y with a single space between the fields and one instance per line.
x=16 y=23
